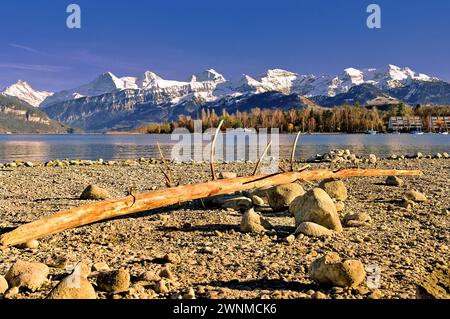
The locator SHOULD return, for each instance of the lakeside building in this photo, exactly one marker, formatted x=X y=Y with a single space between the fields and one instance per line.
x=405 y=123
x=439 y=123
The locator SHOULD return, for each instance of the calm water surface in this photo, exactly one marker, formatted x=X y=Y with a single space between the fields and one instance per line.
x=41 y=148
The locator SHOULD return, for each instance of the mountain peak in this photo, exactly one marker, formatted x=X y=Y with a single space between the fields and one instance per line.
x=209 y=75
x=23 y=91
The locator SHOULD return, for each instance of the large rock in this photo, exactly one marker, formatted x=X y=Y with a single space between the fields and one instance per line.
x=316 y=206
x=74 y=286
x=335 y=188
x=434 y=286
x=415 y=196
x=93 y=192
x=394 y=181
x=252 y=222
x=313 y=230
x=27 y=275
x=3 y=285
x=330 y=270
x=114 y=281
x=281 y=196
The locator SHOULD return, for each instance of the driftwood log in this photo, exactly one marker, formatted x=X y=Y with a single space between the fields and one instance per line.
x=91 y=213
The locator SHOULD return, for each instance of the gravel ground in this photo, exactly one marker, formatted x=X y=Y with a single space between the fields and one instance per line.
x=218 y=261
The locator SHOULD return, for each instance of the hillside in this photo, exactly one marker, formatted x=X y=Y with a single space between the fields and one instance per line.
x=19 y=117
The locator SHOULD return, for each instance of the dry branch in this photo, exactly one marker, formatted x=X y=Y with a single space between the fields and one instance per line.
x=213 y=150
x=294 y=146
x=91 y=213
x=168 y=174
x=258 y=164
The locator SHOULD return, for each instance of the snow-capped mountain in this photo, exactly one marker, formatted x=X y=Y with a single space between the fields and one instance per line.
x=23 y=91
x=201 y=86
x=210 y=85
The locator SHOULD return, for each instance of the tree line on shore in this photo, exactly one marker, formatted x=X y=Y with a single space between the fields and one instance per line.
x=344 y=119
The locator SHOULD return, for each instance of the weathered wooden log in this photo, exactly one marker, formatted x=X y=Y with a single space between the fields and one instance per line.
x=91 y=213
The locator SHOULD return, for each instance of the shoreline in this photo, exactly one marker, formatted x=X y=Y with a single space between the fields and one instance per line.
x=153 y=161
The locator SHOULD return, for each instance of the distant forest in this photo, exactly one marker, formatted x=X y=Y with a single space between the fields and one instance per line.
x=344 y=119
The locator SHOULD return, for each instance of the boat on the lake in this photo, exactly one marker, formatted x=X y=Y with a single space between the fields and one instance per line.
x=416 y=132
x=371 y=132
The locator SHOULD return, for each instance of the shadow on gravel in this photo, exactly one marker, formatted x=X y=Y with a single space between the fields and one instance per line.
x=4 y=230
x=201 y=228
x=277 y=214
x=40 y=200
x=263 y=284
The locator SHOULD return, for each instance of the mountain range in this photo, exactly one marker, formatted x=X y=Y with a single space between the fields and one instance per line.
x=123 y=103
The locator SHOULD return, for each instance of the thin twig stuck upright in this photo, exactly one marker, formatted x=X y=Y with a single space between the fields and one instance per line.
x=213 y=150
x=294 y=146
x=167 y=173
x=258 y=164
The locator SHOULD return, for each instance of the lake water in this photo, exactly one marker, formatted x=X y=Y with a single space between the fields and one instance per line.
x=41 y=148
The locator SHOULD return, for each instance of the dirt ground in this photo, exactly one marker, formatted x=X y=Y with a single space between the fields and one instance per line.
x=217 y=260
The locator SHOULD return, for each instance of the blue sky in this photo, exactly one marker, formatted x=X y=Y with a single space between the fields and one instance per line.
x=177 y=38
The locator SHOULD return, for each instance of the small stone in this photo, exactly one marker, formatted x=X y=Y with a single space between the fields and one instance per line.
x=3 y=285
x=27 y=275
x=150 y=276
x=100 y=266
x=281 y=196
x=408 y=204
x=340 y=206
x=161 y=287
x=93 y=192
x=237 y=203
x=376 y=294
x=172 y=258
x=252 y=222
x=73 y=286
x=290 y=239
x=319 y=295
x=227 y=175
x=394 y=181
x=166 y=273
x=33 y=244
x=316 y=206
x=330 y=270
x=415 y=196
x=10 y=293
x=29 y=164
x=362 y=291
x=335 y=188
x=313 y=230
x=257 y=201
x=357 y=219
x=114 y=281
x=57 y=261
x=190 y=294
